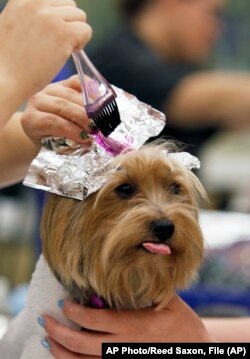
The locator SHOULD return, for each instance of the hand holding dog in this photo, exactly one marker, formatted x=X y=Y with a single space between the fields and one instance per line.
x=176 y=323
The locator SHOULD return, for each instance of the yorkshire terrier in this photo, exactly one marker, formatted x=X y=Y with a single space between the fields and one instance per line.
x=133 y=243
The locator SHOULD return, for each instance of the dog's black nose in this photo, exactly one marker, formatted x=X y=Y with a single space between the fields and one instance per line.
x=163 y=229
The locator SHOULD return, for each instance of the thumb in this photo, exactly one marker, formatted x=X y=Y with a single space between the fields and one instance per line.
x=73 y=82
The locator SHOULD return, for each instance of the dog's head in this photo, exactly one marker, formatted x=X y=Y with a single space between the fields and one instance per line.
x=135 y=241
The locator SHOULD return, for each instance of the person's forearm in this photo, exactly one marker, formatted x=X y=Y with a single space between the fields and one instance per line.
x=211 y=98
x=16 y=152
x=11 y=97
x=229 y=329
x=29 y=31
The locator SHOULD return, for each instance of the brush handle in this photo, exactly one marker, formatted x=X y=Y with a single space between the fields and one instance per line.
x=97 y=92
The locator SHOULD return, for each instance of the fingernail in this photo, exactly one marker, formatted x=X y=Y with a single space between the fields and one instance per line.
x=41 y=321
x=84 y=135
x=94 y=129
x=46 y=344
x=60 y=303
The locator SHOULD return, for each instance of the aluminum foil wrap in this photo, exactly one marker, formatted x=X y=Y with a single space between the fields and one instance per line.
x=188 y=160
x=68 y=169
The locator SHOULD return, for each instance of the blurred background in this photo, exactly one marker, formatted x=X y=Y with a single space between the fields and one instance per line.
x=223 y=288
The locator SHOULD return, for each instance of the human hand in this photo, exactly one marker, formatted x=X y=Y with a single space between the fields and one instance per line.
x=57 y=111
x=176 y=323
x=36 y=39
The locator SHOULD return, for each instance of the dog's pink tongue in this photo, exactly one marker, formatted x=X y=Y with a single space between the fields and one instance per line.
x=157 y=248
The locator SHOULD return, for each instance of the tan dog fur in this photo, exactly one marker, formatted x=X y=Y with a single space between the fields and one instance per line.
x=95 y=245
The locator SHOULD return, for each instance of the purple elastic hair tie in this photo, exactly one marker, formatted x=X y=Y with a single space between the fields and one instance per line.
x=97 y=302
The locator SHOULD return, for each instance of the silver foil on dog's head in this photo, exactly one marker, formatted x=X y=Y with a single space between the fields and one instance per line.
x=185 y=158
x=68 y=169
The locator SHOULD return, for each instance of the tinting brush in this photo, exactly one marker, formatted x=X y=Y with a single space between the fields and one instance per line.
x=99 y=96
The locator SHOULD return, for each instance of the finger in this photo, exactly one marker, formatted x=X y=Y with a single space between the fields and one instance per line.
x=81 y=32
x=102 y=320
x=70 y=13
x=109 y=321
x=59 y=352
x=87 y=318
x=63 y=108
x=48 y=124
x=74 y=341
x=72 y=82
x=62 y=90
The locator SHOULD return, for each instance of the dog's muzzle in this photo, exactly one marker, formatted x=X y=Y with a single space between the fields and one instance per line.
x=162 y=230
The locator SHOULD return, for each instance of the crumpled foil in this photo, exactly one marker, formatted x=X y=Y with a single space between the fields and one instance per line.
x=188 y=160
x=68 y=169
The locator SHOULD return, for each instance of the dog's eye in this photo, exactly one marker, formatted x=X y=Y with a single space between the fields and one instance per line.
x=125 y=190
x=175 y=188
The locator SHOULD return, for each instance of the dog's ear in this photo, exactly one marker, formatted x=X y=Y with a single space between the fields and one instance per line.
x=57 y=231
x=50 y=226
